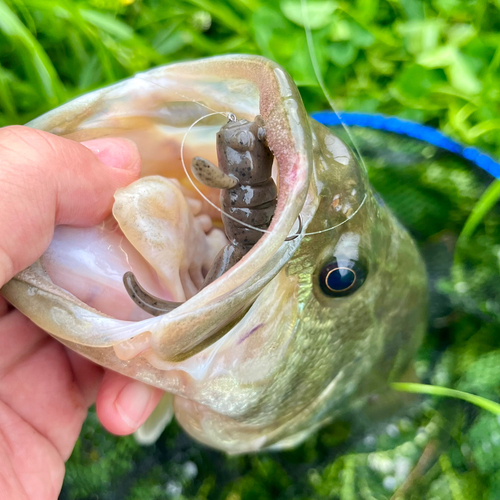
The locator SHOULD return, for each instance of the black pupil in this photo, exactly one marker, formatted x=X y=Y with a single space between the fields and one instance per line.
x=338 y=279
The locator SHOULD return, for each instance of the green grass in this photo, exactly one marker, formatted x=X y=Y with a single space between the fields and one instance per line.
x=434 y=61
x=434 y=390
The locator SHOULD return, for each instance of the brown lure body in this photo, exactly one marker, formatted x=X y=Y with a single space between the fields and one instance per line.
x=244 y=158
x=248 y=194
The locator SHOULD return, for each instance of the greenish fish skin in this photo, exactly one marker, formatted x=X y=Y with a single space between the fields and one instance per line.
x=343 y=352
x=350 y=347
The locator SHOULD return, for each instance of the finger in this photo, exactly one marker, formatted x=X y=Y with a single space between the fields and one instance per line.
x=30 y=466
x=123 y=404
x=4 y=307
x=88 y=376
x=36 y=381
x=48 y=180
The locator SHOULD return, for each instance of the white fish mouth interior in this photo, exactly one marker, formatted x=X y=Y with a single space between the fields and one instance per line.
x=159 y=231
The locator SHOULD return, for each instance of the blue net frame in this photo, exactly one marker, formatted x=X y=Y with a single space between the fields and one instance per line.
x=413 y=130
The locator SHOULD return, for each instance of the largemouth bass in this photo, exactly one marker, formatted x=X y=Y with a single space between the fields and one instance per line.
x=294 y=335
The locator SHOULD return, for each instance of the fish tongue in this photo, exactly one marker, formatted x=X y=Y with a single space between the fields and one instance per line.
x=158 y=221
x=162 y=238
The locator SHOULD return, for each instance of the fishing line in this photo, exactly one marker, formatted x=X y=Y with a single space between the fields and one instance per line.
x=230 y=116
x=344 y=221
x=179 y=94
x=319 y=77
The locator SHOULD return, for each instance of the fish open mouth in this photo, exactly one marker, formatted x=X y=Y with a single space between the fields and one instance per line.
x=157 y=220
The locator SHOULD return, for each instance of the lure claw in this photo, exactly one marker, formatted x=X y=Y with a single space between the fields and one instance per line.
x=210 y=175
x=149 y=303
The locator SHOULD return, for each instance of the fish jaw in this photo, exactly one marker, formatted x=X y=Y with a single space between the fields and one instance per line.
x=156 y=110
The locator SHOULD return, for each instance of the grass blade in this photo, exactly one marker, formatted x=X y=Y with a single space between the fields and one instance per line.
x=487 y=201
x=224 y=14
x=35 y=60
x=435 y=390
x=6 y=99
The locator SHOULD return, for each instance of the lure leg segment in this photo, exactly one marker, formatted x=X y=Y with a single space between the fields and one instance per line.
x=149 y=303
x=248 y=200
x=210 y=175
x=224 y=261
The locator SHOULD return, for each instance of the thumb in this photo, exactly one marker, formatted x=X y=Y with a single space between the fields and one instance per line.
x=46 y=180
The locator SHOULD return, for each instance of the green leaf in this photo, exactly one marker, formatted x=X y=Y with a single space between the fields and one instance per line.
x=342 y=53
x=300 y=65
x=344 y=30
x=460 y=34
x=441 y=57
x=484 y=439
x=447 y=6
x=35 y=61
x=271 y=30
x=415 y=83
x=458 y=68
x=108 y=24
x=462 y=77
x=483 y=374
x=315 y=14
x=367 y=9
x=421 y=36
x=494 y=492
x=414 y=9
x=360 y=37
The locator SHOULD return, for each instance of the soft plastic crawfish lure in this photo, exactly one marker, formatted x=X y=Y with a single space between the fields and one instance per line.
x=248 y=194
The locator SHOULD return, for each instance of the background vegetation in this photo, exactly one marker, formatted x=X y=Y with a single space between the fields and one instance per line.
x=434 y=61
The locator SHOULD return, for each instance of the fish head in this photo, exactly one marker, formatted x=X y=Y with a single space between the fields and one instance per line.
x=309 y=323
x=341 y=319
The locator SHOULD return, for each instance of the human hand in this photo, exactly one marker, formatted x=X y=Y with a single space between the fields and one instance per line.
x=45 y=389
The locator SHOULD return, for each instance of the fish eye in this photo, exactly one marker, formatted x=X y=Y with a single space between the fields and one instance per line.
x=339 y=278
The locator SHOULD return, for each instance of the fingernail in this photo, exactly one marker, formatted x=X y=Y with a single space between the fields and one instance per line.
x=114 y=152
x=132 y=403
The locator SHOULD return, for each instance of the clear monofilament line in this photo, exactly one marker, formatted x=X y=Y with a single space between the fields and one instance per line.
x=229 y=116
x=180 y=95
x=343 y=222
x=319 y=77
